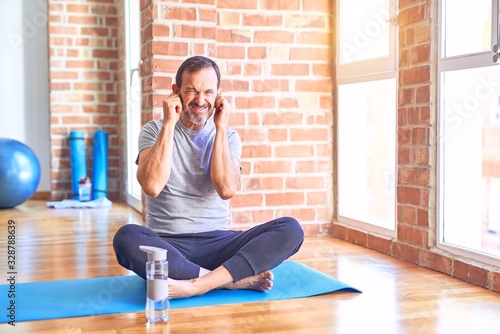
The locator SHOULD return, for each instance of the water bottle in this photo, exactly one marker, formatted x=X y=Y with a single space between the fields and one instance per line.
x=84 y=189
x=157 y=303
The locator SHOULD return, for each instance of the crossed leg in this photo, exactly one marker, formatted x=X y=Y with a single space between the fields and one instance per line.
x=218 y=260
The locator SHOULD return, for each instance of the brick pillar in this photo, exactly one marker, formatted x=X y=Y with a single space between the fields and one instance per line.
x=416 y=181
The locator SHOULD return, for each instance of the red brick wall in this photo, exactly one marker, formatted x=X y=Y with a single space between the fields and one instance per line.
x=417 y=157
x=288 y=175
x=83 y=60
x=276 y=64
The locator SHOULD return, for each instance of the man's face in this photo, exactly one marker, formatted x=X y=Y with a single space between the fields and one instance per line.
x=198 y=93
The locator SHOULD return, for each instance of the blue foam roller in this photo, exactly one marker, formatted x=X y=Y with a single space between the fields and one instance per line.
x=100 y=165
x=78 y=162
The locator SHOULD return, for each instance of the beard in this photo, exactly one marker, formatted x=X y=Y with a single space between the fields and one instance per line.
x=198 y=118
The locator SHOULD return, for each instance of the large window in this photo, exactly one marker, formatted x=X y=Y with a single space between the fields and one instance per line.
x=469 y=136
x=367 y=102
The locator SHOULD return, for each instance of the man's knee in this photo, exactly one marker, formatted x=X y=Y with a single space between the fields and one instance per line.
x=293 y=229
x=125 y=242
x=124 y=235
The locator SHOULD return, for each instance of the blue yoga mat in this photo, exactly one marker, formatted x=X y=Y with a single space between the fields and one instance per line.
x=100 y=165
x=120 y=294
x=77 y=159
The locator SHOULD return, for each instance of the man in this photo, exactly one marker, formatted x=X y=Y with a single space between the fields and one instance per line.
x=189 y=168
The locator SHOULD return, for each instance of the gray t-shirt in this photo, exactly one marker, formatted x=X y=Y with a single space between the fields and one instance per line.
x=189 y=202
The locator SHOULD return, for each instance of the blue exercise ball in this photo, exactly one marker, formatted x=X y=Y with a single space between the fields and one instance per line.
x=19 y=173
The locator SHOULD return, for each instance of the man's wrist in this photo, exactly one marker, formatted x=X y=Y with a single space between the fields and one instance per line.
x=169 y=125
x=221 y=128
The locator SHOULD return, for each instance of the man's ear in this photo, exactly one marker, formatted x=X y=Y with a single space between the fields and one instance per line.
x=175 y=89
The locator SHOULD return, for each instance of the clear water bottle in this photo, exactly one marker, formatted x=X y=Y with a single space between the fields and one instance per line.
x=84 y=189
x=157 y=303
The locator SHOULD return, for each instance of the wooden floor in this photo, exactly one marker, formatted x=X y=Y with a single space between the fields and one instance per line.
x=398 y=297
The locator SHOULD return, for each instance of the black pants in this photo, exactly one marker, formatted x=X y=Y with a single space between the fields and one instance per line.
x=242 y=253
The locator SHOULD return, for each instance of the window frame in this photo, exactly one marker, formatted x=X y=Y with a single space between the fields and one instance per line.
x=445 y=64
x=366 y=71
x=133 y=199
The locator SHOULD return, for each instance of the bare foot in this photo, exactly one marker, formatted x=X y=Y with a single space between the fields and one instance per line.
x=197 y=286
x=178 y=289
x=260 y=282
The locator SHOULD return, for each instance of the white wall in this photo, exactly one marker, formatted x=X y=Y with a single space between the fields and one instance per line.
x=24 y=78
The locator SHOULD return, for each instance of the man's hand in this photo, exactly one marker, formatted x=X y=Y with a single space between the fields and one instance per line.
x=172 y=108
x=222 y=111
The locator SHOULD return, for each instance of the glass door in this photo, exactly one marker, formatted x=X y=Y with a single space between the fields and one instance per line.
x=469 y=132
x=367 y=104
x=134 y=100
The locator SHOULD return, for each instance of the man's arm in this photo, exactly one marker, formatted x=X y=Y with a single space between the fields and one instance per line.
x=155 y=163
x=224 y=169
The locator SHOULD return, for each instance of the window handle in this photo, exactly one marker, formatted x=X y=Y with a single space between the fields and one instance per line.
x=132 y=70
x=496 y=51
